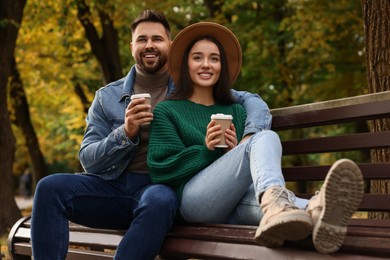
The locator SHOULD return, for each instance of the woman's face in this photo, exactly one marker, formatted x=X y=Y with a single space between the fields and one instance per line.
x=204 y=63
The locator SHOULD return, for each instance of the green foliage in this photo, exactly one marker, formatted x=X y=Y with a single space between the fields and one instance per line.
x=294 y=52
x=326 y=50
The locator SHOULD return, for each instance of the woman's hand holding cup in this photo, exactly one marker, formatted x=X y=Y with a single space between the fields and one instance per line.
x=221 y=133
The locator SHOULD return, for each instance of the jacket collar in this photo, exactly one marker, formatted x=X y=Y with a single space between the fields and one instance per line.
x=128 y=85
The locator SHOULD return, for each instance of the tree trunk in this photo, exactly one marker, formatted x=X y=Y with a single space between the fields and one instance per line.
x=376 y=17
x=83 y=98
x=11 y=13
x=106 y=49
x=22 y=118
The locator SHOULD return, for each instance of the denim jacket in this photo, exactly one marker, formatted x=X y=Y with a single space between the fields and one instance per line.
x=107 y=151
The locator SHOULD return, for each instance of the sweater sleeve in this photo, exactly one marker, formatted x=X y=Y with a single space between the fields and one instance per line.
x=169 y=160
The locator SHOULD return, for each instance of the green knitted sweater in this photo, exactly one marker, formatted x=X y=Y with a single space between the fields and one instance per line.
x=177 y=149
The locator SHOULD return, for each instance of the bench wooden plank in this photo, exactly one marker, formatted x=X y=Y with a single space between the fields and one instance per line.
x=375 y=202
x=74 y=254
x=344 y=114
x=370 y=227
x=370 y=171
x=24 y=252
x=337 y=143
x=370 y=202
x=22 y=249
x=341 y=102
x=182 y=247
x=374 y=246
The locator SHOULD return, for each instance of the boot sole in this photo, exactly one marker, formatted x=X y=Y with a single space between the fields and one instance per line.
x=343 y=194
x=291 y=227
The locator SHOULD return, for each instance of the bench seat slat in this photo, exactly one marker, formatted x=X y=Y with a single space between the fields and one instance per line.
x=78 y=254
x=369 y=231
x=367 y=245
x=220 y=250
x=98 y=241
x=23 y=233
x=227 y=233
x=24 y=249
x=362 y=222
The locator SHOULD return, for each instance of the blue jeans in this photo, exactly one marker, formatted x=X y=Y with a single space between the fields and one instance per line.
x=131 y=202
x=228 y=190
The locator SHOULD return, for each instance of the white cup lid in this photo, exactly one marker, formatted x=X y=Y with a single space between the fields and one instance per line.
x=221 y=116
x=143 y=95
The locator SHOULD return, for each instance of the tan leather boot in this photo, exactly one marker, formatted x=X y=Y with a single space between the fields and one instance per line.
x=332 y=207
x=282 y=220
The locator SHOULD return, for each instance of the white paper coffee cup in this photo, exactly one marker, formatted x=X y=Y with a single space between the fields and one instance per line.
x=142 y=95
x=224 y=121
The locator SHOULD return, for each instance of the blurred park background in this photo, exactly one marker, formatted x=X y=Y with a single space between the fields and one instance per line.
x=57 y=53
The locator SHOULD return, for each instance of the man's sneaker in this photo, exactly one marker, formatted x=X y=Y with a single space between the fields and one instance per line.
x=282 y=220
x=332 y=207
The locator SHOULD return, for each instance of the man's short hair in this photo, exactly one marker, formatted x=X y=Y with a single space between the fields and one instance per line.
x=151 y=16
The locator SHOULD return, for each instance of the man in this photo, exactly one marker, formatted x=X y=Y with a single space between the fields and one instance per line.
x=116 y=191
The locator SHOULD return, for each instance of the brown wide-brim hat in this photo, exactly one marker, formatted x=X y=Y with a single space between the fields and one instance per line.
x=222 y=34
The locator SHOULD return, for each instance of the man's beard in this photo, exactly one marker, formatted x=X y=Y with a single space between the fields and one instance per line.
x=152 y=68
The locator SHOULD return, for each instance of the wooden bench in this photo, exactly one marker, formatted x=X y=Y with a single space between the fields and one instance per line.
x=302 y=130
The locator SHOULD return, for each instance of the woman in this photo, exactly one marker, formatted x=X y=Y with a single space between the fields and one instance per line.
x=228 y=185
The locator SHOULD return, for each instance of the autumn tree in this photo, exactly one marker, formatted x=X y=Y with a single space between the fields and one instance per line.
x=376 y=17
x=23 y=121
x=11 y=13
x=104 y=47
x=53 y=62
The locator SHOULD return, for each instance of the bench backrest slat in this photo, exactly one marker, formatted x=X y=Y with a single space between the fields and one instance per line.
x=371 y=171
x=380 y=109
x=337 y=143
x=375 y=202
